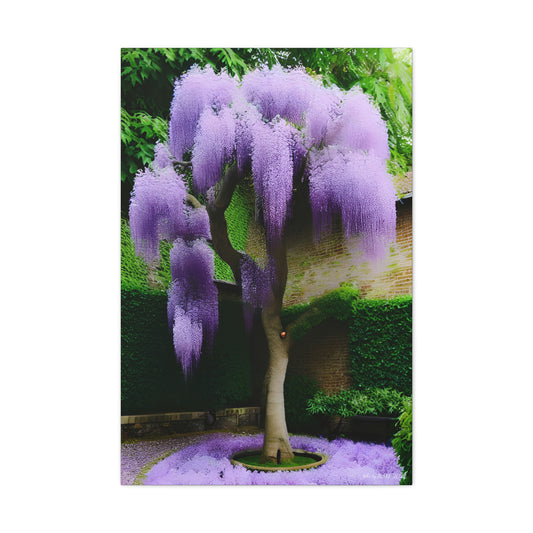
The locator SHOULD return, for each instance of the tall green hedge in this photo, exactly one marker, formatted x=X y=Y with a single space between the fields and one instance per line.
x=381 y=344
x=152 y=380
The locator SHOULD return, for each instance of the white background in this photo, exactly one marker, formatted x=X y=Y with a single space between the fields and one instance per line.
x=60 y=376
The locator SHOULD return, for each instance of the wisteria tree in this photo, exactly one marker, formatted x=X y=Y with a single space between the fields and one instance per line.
x=286 y=131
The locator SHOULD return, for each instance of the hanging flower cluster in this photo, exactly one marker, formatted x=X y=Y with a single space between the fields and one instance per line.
x=272 y=167
x=282 y=127
x=156 y=210
x=193 y=92
x=214 y=147
x=356 y=186
x=193 y=300
x=280 y=92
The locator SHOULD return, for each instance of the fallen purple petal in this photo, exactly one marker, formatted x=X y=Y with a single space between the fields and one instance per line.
x=206 y=461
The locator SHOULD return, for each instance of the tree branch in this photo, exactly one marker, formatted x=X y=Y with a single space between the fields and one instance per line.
x=182 y=163
x=193 y=202
x=217 y=221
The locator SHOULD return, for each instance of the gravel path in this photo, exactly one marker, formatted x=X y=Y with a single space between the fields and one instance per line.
x=134 y=455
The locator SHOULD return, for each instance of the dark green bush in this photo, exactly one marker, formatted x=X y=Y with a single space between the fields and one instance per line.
x=298 y=390
x=152 y=380
x=347 y=403
x=403 y=443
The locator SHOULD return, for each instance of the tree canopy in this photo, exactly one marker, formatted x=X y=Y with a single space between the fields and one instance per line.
x=286 y=130
x=148 y=76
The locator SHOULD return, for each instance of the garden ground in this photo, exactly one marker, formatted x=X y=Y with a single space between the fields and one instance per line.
x=203 y=459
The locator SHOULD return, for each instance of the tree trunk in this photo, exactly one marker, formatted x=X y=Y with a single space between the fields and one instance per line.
x=276 y=447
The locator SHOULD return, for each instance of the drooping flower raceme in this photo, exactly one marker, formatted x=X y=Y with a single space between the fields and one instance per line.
x=272 y=167
x=193 y=92
x=279 y=92
x=156 y=210
x=213 y=147
x=359 y=126
x=193 y=300
x=161 y=155
x=356 y=186
x=256 y=286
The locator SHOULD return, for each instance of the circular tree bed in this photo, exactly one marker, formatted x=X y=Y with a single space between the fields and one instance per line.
x=303 y=460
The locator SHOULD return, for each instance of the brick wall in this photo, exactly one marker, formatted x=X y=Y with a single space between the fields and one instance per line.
x=323 y=355
x=316 y=269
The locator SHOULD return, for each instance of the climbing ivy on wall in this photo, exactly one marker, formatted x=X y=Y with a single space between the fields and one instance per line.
x=238 y=215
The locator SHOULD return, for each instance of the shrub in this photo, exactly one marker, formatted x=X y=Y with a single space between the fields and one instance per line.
x=298 y=390
x=346 y=403
x=403 y=443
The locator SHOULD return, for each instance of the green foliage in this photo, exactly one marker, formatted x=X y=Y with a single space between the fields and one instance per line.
x=139 y=134
x=352 y=402
x=151 y=378
x=298 y=390
x=336 y=304
x=403 y=443
x=381 y=344
x=134 y=271
x=238 y=216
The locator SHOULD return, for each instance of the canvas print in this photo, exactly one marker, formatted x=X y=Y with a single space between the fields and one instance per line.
x=266 y=266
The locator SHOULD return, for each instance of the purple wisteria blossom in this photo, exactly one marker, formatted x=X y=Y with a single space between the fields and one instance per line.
x=356 y=186
x=283 y=129
x=208 y=463
x=193 y=301
x=286 y=93
x=214 y=146
x=156 y=210
x=359 y=126
x=193 y=92
x=256 y=286
x=161 y=155
x=272 y=167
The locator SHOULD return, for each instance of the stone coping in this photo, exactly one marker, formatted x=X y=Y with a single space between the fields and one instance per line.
x=189 y=415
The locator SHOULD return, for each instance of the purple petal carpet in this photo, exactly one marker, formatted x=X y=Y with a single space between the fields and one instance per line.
x=204 y=460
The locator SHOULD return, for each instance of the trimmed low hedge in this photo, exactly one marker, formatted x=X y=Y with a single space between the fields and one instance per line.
x=152 y=379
